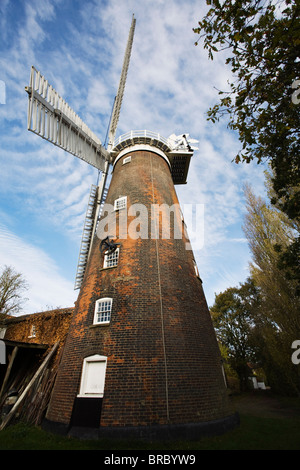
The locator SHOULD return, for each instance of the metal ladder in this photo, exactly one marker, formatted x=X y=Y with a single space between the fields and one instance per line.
x=89 y=229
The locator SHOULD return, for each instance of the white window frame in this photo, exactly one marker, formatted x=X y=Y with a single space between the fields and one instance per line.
x=120 y=203
x=111 y=260
x=87 y=377
x=127 y=160
x=196 y=269
x=96 y=313
x=32 y=332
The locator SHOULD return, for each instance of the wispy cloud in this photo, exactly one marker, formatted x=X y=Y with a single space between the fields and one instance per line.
x=47 y=287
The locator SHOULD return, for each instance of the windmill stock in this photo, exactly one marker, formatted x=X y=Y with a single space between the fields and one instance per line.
x=141 y=357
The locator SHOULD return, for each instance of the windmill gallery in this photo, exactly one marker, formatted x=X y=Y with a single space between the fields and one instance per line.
x=139 y=355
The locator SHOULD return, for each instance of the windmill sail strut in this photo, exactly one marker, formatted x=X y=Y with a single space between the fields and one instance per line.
x=120 y=93
x=53 y=119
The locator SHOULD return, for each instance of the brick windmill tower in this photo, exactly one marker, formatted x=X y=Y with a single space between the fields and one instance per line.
x=141 y=356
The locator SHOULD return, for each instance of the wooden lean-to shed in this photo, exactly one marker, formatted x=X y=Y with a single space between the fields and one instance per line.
x=33 y=345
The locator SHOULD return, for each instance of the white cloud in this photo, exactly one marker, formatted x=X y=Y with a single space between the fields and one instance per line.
x=47 y=287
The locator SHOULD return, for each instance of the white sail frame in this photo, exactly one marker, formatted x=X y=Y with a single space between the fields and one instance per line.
x=50 y=117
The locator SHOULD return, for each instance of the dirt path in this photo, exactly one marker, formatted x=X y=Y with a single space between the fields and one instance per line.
x=263 y=403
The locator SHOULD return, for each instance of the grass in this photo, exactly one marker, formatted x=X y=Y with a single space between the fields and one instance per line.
x=275 y=430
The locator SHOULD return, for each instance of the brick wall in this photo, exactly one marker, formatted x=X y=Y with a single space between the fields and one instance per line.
x=163 y=362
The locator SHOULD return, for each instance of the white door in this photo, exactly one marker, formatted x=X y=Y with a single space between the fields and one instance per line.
x=93 y=376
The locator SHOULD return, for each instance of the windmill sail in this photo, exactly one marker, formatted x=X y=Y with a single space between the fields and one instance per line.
x=119 y=97
x=53 y=119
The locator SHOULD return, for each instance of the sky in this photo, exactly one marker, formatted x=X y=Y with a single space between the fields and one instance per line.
x=79 y=47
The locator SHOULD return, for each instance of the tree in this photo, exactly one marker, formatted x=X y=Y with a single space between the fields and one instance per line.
x=231 y=316
x=265 y=228
x=277 y=320
x=260 y=320
x=12 y=286
x=262 y=39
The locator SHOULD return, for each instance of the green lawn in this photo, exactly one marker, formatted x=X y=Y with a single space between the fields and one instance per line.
x=259 y=429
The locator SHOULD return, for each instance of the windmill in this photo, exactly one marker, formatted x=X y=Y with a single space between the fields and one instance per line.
x=141 y=356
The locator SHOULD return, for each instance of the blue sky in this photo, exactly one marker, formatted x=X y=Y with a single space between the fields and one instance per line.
x=79 y=47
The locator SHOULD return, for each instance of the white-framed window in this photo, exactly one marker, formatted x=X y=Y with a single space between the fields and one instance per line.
x=111 y=259
x=93 y=376
x=32 y=332
x=127 y=160
x=102 y=311
x=120 y=203
x=196 y=268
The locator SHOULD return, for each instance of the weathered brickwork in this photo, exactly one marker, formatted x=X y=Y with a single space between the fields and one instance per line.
x=163 y=362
